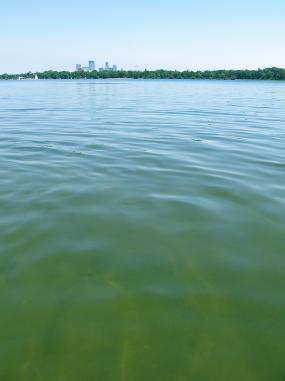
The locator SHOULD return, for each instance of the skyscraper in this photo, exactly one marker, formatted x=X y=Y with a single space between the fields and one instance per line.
x=78 y=67
x=107 y=67
x=91 y=65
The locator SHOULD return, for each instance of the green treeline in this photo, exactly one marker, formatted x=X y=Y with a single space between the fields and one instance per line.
x=262 y=74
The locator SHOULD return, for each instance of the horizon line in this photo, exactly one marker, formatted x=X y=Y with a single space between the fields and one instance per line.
x=142 y=70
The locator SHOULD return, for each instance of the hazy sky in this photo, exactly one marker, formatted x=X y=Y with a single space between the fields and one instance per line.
x=174 y=34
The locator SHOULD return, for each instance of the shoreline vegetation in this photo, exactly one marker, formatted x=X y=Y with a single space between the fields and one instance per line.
x=273 y=73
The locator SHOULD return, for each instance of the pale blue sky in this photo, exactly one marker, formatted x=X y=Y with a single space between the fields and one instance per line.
x=181 y=34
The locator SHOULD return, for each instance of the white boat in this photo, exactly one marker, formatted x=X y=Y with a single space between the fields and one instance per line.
x=36 y=78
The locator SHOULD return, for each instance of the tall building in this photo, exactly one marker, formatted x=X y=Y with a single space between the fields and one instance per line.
x=78 y=67
x=114 y=68
x=107 y=67
x=91 y=65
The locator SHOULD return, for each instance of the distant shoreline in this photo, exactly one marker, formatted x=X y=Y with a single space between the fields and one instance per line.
x=274 y=73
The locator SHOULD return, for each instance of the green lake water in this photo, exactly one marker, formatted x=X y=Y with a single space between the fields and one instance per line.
x=142 y=228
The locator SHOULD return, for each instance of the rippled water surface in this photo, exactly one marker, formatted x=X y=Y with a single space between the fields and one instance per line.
x=142 y=229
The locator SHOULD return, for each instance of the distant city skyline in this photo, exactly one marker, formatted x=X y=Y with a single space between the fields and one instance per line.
x=187 y=34
x=92 y=66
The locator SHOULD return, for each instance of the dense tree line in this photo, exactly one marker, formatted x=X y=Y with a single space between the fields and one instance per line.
x=261 y=74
